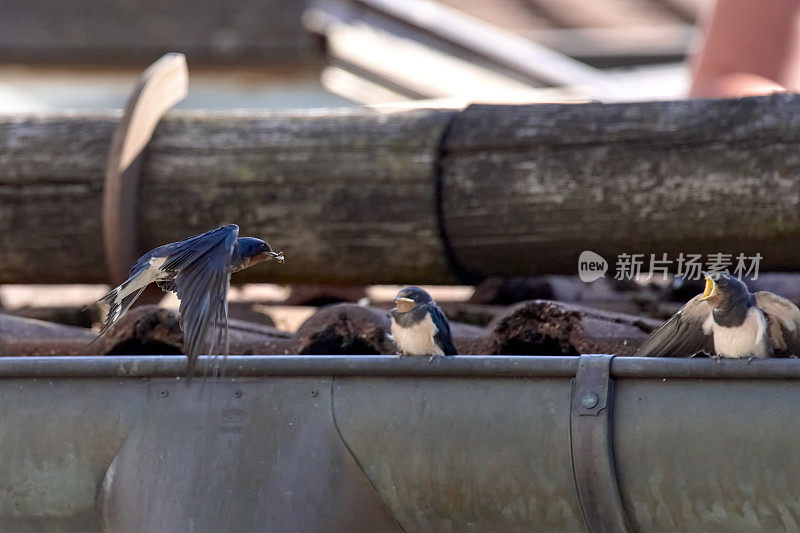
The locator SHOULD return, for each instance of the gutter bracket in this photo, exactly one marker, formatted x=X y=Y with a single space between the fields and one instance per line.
x=591 y=441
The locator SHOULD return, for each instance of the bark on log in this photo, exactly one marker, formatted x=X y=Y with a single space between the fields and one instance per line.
x=51 y=186
x=365 y=197
x=349 y=196
x=527 y=188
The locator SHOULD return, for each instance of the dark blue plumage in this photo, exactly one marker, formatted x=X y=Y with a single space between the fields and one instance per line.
x=443 y=337
x=418 y=325
x=198 y=270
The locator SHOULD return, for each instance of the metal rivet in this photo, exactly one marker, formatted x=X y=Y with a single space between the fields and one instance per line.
x=238 y=394
x=163 y=393
x=314 y=393
x=589 y=400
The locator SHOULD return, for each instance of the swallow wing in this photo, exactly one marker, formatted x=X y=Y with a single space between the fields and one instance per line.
x=783 y=319
x=202 y=288
x=682 y=335
x=161 y=265
x=443 y=337
x=180 y=254
x=170 y=258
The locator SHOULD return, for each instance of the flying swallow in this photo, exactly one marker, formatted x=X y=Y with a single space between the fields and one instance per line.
x=727 y=320
x=198 y=270
x=418 y=325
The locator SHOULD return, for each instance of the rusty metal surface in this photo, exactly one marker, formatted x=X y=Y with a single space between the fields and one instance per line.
x=373 y=443
x=591 y=441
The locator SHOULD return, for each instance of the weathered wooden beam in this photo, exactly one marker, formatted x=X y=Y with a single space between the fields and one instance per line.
x=362 y=196
x=527 y=188
x=349 y=196
x=51 y=189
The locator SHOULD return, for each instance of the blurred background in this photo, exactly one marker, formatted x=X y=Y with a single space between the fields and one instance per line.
x=280 y=54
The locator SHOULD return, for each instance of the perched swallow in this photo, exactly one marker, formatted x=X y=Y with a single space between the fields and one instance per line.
x=199 y=271
x=729 y=321
x=418 y=325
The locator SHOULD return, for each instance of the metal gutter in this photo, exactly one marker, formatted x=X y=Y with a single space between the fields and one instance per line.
x=376 y=443
x=390 y=366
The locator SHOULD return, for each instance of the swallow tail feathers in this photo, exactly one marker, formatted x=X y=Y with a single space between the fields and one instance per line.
x=122 y=297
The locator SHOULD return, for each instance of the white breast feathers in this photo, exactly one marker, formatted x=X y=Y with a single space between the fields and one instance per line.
x=417 y=339
x=748 y=339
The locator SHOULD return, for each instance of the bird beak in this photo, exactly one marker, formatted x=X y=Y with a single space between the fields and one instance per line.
x=277 y=256
x=711 y=289
x=404 y=304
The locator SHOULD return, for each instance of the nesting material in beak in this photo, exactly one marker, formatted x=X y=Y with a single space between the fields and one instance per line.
x=711 y=289
x=277 y=256
x=404 y=305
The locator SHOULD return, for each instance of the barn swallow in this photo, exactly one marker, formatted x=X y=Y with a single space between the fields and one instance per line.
x=199 y=271
x=418 y=325
x=729 y=321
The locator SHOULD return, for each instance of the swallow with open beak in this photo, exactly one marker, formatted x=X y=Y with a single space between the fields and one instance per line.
x=727 y=320
x=198 y=270
x=418 y=325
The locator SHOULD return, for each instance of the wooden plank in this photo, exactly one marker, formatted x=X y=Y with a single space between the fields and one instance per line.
x=347 y=195
x=141 y=30
x=702 y=176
